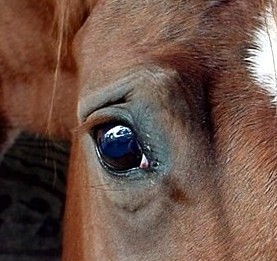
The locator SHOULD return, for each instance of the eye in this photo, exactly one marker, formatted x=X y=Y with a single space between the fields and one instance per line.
x=118 y=148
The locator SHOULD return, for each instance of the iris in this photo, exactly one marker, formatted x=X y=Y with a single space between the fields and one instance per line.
x=118 y=147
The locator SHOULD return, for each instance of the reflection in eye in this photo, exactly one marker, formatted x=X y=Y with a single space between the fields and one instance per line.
x=119 y=149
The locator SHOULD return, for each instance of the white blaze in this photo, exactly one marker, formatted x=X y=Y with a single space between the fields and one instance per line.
x=263 y=60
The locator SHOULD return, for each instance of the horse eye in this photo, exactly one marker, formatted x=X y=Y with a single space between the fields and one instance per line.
x=118 y=148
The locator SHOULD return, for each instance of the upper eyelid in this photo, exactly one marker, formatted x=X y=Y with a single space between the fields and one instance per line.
x=109 y=103
x=113 y=94
x=121 y=90
x=101 y=116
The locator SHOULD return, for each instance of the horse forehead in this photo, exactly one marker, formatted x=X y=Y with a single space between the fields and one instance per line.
x=112 y=33
x=118 y=26
x=262 y=60
x=123 y=31
x=142 y=23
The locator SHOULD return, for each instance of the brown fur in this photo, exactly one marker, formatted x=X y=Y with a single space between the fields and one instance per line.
x=28 y=60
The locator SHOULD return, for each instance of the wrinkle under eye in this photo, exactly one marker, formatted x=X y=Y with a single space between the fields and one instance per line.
x=119 y=148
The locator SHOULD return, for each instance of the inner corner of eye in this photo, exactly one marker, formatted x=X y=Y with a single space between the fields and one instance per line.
x=144 y=164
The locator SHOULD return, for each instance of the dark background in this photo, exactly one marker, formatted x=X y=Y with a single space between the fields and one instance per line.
x=32 y=193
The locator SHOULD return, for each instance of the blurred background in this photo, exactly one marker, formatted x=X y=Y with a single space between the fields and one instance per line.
x=32 y=195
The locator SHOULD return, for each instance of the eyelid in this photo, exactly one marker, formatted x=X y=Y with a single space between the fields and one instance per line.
x=104 y=115
x=109 y=95
x=155 y=151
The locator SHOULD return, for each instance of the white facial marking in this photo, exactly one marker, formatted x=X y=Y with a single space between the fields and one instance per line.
x=263 y=60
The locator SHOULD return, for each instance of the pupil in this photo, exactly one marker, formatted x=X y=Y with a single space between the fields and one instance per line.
x=118 y=147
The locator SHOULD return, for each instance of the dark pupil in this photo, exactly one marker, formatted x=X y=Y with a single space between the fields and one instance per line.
x=118 y=147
